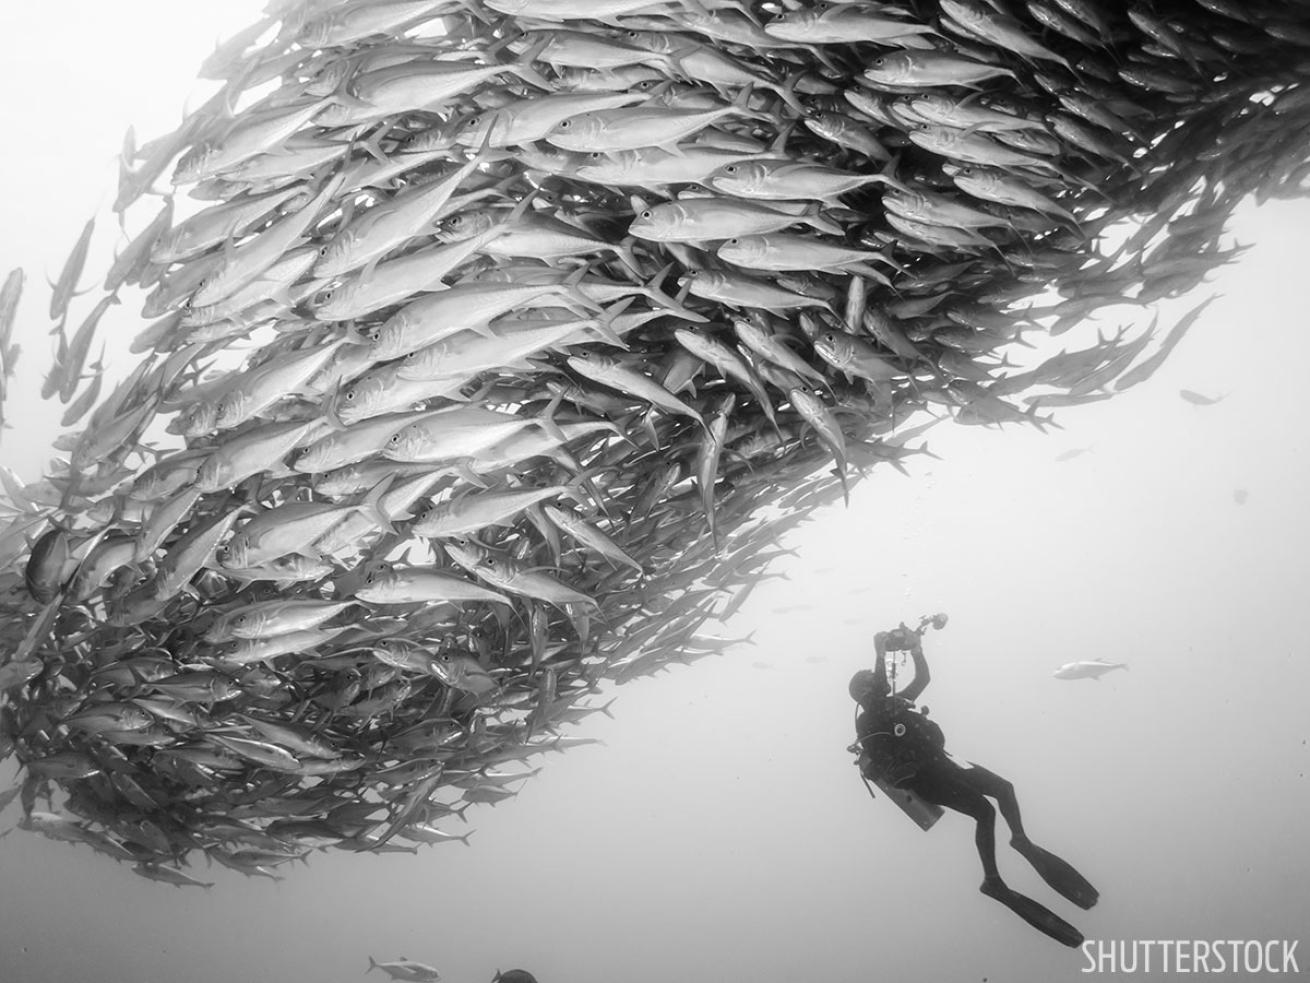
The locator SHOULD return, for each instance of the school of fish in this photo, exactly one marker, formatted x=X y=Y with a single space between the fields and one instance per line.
x=495 y=343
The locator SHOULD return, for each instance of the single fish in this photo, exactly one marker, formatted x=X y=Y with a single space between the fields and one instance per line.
x=587 y=534
x=418 y=586
x=825 y=425
x=701 y=219
x=611 y=372
x=1093 y=669
x=66 y=286
x=931 y=68
x=1199 y=399
x=405 y=969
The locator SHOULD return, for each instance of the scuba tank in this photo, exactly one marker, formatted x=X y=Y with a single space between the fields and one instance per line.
x=922 y=811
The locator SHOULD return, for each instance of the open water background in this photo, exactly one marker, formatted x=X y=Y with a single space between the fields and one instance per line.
x=721 y=832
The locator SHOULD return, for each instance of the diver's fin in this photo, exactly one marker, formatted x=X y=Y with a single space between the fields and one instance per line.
x=1036 y=915
x=1058 y=873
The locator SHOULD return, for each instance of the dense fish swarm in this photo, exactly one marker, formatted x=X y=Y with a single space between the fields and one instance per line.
x=506 y=338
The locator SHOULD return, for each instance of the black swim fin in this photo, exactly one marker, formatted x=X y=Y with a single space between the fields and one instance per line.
x=1059 y=874
x=1036 y=915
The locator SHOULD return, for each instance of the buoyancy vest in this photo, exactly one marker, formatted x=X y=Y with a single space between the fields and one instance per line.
x=897 y=739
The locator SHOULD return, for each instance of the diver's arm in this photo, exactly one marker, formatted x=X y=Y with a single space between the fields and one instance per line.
x=921 y=675
x=881 y=687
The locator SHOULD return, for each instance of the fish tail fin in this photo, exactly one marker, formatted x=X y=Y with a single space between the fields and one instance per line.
x=372 y=142
x=604 y=323
x=585 y=478
x=331 y=406
x=345 y=95
x=888 y=174
x=840 y=474
x=742 y=104
x=813 y=217
x=779 y=146
x=572 y=289
x=515 y=214
x=546 y=419
x=624 y=252
x=527 y=73
x=655 y=293
x=523 y=67
x=787 y=93
x=372 y=504
x=472 y=477
x=674 y=60
x=865 y=270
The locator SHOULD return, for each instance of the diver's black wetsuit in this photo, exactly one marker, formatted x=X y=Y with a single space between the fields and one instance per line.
x=907 y=750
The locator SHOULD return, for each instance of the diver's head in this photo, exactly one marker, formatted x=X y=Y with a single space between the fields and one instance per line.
x=863 y=685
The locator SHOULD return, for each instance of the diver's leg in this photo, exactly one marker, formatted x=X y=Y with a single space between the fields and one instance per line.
x=946 y=784
x=940 y=782
x=989 y=783
x=1058 y=873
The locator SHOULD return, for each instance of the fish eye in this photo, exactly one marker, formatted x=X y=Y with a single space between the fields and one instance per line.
x=730 y=169
x=734 y=241
x=879 y=62
x=349 y=395
x=565 y=124
x=323 y=249
x=646 y=213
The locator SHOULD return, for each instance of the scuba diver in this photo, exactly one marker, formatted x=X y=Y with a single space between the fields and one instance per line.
x=901 y=749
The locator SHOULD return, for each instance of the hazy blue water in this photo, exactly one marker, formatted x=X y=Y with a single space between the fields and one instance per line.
x=721 y=832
